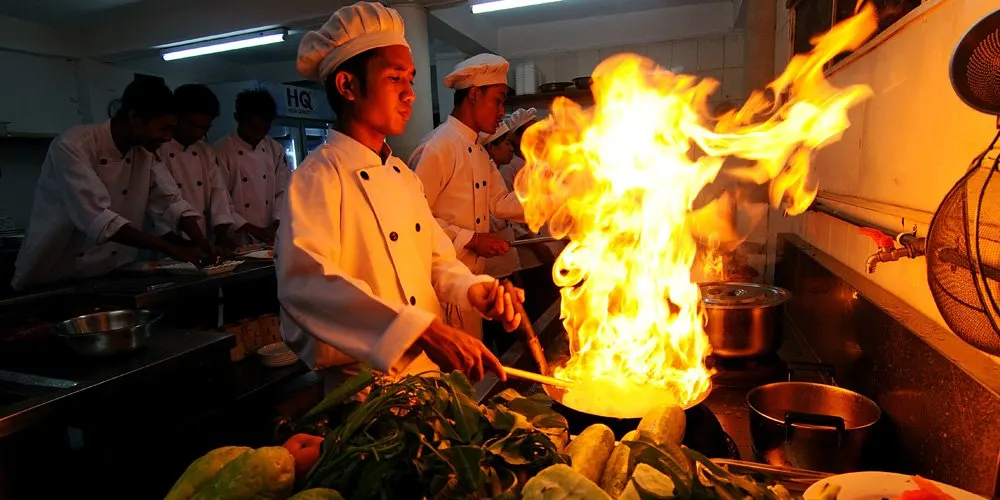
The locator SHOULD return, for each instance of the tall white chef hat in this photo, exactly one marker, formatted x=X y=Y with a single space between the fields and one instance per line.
x=520 y=118
x=478 y=71
x=349 y=31
x=502 y=129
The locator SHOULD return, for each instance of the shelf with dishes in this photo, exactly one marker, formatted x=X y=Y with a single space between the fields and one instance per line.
x=578 y=90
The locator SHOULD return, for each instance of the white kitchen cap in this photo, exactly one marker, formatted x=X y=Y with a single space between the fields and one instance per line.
x=349 y=31
x=519 y=118
x=478 y=71
x=485 y=138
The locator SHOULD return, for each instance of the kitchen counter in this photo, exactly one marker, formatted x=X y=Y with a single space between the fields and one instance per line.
x=68 y=381
x=143 y=290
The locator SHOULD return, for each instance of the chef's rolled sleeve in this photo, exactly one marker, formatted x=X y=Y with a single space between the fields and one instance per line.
x=408 y=326
x=104 y=226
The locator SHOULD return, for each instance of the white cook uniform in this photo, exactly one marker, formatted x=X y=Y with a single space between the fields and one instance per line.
x=527 y=259
x=462 y=186
x=256 y=178
x=361 y=261
x=86 y=192
x=199 y=181
x=463 y=189
x=502 y=265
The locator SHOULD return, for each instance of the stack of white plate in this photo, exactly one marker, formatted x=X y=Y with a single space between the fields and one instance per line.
x=526 y=78
x=276 y=355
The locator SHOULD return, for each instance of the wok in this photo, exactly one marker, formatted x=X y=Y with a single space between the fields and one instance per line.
x=703 y=432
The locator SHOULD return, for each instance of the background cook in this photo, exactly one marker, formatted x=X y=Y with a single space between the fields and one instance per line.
x=98 y=183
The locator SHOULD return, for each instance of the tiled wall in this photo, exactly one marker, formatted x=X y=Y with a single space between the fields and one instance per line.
x=719 y=57
x=906 y=146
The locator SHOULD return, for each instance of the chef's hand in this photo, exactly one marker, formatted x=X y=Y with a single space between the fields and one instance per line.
x=213 y=253
x=495 y=303
x=261 y=234
x=193 y=255
x=488 y=244
x=453 y=349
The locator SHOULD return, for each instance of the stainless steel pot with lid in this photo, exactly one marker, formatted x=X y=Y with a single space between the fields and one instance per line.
x=744 y=319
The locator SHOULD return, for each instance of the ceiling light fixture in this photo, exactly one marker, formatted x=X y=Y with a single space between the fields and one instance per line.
x=225 y=44
x=495 y=5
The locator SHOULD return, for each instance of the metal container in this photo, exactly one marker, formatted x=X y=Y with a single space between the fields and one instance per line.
x=107 y=333
x=744 y=319
x=810 y=426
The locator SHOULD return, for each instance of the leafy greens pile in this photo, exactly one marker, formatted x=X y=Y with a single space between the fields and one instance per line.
x=426 y=437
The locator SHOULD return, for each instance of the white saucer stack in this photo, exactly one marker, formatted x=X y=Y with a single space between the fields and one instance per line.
x=277 y=355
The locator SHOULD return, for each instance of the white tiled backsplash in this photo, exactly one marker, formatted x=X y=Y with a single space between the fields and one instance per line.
x=906 y=146
x=718 y=57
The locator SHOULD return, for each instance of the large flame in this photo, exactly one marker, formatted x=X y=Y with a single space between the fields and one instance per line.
x=619 y=179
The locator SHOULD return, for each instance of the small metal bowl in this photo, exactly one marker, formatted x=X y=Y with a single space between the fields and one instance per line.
x=107 y=333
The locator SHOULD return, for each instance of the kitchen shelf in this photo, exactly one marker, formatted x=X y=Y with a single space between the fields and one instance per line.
x=583 y=97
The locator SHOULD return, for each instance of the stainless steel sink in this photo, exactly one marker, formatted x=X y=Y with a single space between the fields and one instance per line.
x=35 y=380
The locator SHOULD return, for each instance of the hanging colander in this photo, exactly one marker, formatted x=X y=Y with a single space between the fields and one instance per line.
x=963 y=243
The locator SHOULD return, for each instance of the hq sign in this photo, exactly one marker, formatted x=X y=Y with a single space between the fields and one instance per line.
x=298 y=102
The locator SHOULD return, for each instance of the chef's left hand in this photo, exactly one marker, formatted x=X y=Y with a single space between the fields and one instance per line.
x=494 y=303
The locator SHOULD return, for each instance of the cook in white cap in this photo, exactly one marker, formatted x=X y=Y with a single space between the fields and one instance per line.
x=500 y=151
x=517 y=123
x=462 y=186
x=362 y=265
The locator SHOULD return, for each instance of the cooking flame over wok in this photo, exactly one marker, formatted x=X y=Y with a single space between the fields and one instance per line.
x=619 y=179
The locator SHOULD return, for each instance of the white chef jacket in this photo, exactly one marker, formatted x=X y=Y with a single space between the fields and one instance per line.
x=508 y=263
x=463 y=187
x=510 y=170
x=256 y=178
x=86 y=192
x=196 y=171
x=361 y=261
x=526 y=257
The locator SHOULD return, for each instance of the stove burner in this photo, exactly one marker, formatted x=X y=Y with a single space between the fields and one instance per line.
x=747 y=372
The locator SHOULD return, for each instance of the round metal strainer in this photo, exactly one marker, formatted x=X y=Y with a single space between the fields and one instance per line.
x=975 y=65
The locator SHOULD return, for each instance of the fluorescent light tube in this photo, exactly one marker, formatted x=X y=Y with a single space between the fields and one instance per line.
x=495 y=5
x=224 y=44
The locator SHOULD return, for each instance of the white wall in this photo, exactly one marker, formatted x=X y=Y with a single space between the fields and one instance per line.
x=906 y=146
x=633 y=28
x=716 y=56
x=38 y=95
x=25 y=36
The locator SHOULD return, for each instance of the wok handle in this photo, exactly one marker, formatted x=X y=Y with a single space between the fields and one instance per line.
x=525 y=331
x=834 y=422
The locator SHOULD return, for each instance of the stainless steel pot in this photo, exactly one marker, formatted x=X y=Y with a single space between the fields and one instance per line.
x=107 y=333
x=744 y=319
x=810 y=426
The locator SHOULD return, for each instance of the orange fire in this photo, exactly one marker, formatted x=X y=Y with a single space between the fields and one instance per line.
x=619 y=179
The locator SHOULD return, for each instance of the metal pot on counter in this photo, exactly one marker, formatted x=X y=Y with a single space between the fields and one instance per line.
x=107 y=333
x=744 y=319
x=810 y=426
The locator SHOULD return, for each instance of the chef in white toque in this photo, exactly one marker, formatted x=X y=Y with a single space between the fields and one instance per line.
x=462 y=185
x=362 y=264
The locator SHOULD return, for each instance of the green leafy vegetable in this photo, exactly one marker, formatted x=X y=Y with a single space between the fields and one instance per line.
x=425 y=436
